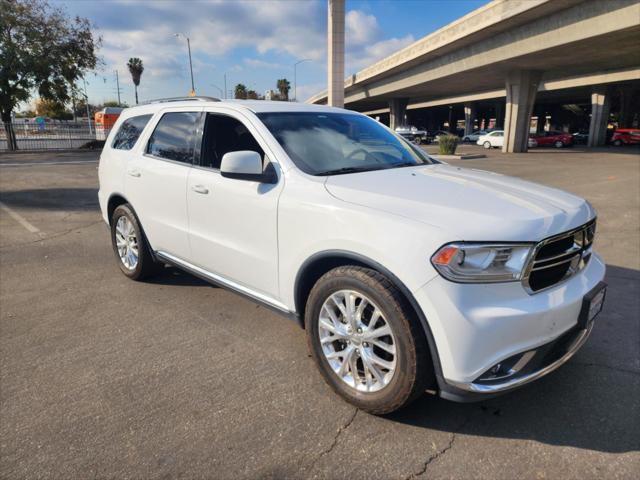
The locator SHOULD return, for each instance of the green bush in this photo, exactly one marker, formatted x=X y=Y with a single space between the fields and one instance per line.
x=447 y=144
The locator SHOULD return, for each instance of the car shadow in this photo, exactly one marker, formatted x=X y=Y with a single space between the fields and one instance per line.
x=63 y=199
x=174 y=276
x=592 y=402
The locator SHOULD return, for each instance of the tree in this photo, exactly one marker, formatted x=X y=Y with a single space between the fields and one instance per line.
x=52 y=109
x=135 y=69
x=41 y=49
x=283 y=87
x=241 y=91
x=252 y=95
x=114 y=103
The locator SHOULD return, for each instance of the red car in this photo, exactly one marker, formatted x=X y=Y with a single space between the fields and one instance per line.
x=626 y=136
x=552 y=138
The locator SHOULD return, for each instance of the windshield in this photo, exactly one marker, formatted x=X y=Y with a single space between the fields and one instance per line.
x=336 y=143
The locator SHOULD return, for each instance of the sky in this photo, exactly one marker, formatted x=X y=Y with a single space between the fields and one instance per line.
x=251 y=42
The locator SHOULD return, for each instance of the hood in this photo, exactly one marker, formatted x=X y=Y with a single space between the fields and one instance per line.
x=470 y=205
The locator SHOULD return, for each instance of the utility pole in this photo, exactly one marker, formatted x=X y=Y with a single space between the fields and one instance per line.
x=118 y=87
x=86 y=104
x=193 y=88
x=295 y=78
x=225 y=86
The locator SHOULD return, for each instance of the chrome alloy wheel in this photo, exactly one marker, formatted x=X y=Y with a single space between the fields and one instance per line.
x=357 y=341
x=127 y=243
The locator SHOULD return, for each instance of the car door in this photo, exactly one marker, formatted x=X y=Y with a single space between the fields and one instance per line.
x=156 y=180
x=497 y=139
x=233 y=223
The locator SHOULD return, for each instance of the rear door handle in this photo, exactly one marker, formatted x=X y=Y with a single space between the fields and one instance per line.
x=134 y=173
x=200 y=189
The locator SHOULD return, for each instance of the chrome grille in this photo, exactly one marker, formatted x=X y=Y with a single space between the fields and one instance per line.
x=559 y=257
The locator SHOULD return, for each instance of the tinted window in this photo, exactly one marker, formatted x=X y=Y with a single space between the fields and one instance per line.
x=335 y=143
x=129 y=132
x=223 y=134
x=174 y=136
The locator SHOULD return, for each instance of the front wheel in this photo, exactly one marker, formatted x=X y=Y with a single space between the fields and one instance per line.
x=618 y=143
x=558 y=144
x=487 y=145
x=366 y=341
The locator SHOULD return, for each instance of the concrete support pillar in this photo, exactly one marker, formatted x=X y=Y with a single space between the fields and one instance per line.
x=397 y=112
x=469 y=117
x=522 y=86
x=335 y=57
x=499 y=115
x=600 y=103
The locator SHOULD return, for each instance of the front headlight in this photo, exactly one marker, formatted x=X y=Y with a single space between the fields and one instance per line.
x=480 y=263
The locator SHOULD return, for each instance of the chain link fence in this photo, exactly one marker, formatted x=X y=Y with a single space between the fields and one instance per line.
x=52 y=136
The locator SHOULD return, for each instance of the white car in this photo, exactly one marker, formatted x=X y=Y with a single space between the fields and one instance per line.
x=407 y=273
x=474 y=136
x=496 y=139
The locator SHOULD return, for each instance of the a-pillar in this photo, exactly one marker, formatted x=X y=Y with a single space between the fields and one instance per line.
x=335 y=57
x=600 y=103
x=397 y=112
x=522 y=86
x=469 y=117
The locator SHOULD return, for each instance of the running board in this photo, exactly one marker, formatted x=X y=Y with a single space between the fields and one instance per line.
x=215 y=279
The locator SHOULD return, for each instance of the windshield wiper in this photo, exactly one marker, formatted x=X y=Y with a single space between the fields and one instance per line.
x=338 y=171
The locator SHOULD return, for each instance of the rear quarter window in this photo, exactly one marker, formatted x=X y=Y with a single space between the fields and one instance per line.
x=129 y=132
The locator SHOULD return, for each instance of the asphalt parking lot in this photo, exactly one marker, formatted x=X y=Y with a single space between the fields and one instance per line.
x=102 y=377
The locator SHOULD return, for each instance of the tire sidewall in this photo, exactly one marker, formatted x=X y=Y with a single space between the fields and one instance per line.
x=487 y=145
x=403 y=379
x=126 y=211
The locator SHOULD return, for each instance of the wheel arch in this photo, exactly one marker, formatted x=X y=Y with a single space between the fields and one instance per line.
x=115 y=200
x=320 y=263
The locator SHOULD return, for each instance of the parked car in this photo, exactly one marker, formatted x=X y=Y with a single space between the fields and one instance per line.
x=473 y=137
x=554 y=138
x=495 y=139
x=437 y=134
x=413 y=134
x=581 y=137
x=407 y=273
x=625 y=136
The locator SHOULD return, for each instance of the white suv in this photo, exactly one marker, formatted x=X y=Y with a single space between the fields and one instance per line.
x=408 y=274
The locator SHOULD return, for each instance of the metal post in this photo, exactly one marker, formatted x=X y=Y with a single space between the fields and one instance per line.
x=86 y=104
x=225 y=86
x=118 y=87
x=193 y=88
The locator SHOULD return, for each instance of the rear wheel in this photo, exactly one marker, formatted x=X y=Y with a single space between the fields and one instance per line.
x=130 y=245
x=364 y=338
x=487 y=145
x=558 y=144
x=618 y=143
x=417 y=140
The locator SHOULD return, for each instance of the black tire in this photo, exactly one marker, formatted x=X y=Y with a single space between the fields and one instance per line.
x=417 y=140
x=487 y=145
x=414 y=369
x=146 y=266
x=558 y=144
x=466 y=140
x=618 y=143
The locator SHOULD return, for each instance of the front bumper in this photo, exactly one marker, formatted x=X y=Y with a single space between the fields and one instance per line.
x=477 y=326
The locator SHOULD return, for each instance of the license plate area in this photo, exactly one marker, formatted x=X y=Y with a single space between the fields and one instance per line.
x=592 y=305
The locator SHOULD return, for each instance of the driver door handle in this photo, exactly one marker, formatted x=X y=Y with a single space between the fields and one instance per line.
x=134 y=173
x=200 y=189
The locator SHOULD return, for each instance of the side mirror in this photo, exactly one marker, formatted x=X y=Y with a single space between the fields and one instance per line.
x=246 y=165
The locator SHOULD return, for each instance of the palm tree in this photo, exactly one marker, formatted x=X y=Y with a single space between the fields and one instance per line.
x=241 y=91
x=135 y=68
x=283 y=86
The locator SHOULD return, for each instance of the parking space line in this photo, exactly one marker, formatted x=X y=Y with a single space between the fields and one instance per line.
x=19 y=218
x=80 y=162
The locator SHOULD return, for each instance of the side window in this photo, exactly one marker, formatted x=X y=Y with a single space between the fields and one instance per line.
x=129 y=132
x=223 y=134
x=174 y=136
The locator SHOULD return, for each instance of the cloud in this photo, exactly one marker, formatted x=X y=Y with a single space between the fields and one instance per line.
x=361 y=28
x=257 y=63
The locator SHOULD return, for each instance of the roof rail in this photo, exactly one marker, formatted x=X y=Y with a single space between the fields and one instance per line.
x=182 y=99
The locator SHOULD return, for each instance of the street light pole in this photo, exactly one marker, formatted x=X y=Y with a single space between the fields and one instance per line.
x=193 y=88
x=295 y=78
x=218 y=88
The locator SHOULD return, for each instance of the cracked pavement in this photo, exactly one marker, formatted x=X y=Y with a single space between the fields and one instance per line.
x=104 y=377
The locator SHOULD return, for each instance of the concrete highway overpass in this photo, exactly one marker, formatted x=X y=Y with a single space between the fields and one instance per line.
x=508 y=61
